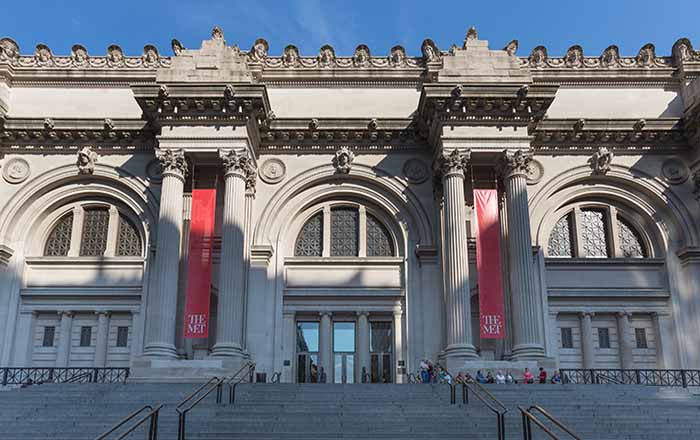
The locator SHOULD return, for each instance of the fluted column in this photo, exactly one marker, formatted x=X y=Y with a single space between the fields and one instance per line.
x=325 y=346
x=230 y=312
x=162 y=300
x=102 y=339
x=459 y=347
x=363 y=348
x=624 y=332
x=64 y=339
x=398 y=343
x=527 y=313
x=587 y=350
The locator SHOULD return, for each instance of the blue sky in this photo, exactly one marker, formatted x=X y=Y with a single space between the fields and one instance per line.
x=344 y=24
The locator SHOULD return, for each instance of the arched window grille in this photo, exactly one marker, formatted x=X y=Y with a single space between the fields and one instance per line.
x=595 y=232
x=379 y=242
x=93 y=240
x=345 y=225
x=310 y=240
x=128 y=239
x=58 y=243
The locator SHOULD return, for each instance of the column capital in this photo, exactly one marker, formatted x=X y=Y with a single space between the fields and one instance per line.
x=325 y=313
x=66 y=313
x=172 y=162
x=107 y=313
x=454 y=163
x=364 y=313
x=514 y=163
x=586 y=314
x=624 y=313
x=239 y=165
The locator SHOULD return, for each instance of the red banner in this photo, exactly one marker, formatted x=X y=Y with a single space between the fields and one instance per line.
x=488 y=264
x=200 y=260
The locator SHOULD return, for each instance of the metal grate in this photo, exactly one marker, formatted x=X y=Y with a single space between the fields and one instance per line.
x=379 y=242
x=93 y=241
x=310 y=240
x=594 y=233
x=59 y=240
x=630 y=241
x=128 y=240
x=344 y=232
x=560 y=241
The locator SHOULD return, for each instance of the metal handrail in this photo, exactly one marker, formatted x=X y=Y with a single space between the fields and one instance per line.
x=214 y=384
x=499 y=411
x=152 y=429
x=608 y=379
x=77 y=377
x=528 y=417
x=250 y=365
x=276 y=376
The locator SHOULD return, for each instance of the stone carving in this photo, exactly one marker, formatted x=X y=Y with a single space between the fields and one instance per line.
x=343 y=160
x=373 y=124
x=326 y=55
x=516 y=162
x=241 y=164
x=362 y=56
x=639 y=125
x=49 y=124
x=610 y=57
x=163 y=91
x=397 y=56
x=511 y=48
x=430 y=51
x=416 y=171
x=574 y=56
x=115 y=55
x=538 y=57
x=172 y=161
x=259 y=50
x=176 y=46
x=682 y=51
x=313 y=124
x=535 y=172
x=455 y=162
x=79 y=55
x=16 y=170
x=86 y=160
x=109 y=124
x=273 y=171
x=9 y=50
x=150 y=55
x=601 y=160
x=217 y=33
x=290 y=56
x=43 y=55
x=472 y=35
x=647 y=55
x=675 y=171
x=579 y=124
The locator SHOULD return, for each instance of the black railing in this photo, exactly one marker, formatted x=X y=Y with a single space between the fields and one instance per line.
x=246 y=371
x=667 y=378
x=193 y=400
x=529 y=418
x=32 y=375
x=151 y=416
x=493 y=404
x=276 y=377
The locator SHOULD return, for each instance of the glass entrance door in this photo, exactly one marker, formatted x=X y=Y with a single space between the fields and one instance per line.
x=307 y=352
x=344 y=352
x=381 y=348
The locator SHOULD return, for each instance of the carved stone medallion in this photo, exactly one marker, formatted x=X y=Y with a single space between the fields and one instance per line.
x=535 y=172
x=416 y=171
x=675 y=171
x=273 y=171
x=16 y=170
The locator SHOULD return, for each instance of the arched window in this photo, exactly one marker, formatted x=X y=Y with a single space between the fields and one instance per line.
x=104 y=231
x=353 y=233
x=595 y=232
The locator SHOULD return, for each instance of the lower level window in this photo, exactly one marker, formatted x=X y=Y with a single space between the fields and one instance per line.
x=603 y=338
x=122 y=336
x=567 y=340
x=640 y=335
x=49 y=334
x=85 y=336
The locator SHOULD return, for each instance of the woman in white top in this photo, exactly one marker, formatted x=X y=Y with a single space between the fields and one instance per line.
x=500 y=378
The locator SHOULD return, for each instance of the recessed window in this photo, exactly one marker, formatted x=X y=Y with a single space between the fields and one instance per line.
x=603 y=337
x=310 y=240
x=345 y=226
x=567 y=340
x=58 y=243
x=93 y=241
x=49 y=335
x=640 y=335
x=122 y=336
x=85 y=336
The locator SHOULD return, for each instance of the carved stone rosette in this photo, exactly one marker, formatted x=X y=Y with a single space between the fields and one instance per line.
x=86 y=160
x=455 y=162
x=514 y=163
x=172 y=162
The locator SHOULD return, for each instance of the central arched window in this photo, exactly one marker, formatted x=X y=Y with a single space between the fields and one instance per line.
x=596 y=232
x=93 y=231
x=352 y=232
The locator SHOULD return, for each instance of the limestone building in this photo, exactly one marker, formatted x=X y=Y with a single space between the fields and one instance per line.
x=344 y=224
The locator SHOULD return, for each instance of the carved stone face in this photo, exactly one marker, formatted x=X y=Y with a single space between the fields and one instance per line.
x=150 y=56
x=115 y=55
x=361 y=56
x=610 y=57
x=79 y=55
x=43 y=54
x=260 y=51
x=9 y=48
x=290 y=56
x=326 y=56
x=429 y=53
x=397 y=55
x=538 y=57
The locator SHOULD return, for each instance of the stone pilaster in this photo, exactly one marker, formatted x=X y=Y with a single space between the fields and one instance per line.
x=528 y=334
x=162 y=299
x=587 y=350
x=451 y=168
x=398 y=343
x=231 y=304
x=64 y=339
x=102 y=339
x=624 y=333
x=363 y=347
x=325 y=346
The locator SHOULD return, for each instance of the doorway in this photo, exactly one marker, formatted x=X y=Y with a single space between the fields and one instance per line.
x=344 y=352
x=381 y=349
x=307 y=352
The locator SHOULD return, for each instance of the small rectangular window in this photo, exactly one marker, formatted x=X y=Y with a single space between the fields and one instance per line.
x=49 y=334
x=567 y=340
x=85 y=336
x=122 y=336
x=640 y=335
x=603 y=338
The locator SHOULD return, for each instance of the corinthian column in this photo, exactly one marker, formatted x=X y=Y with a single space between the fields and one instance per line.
x=456 y=264
x=528 y=316
x=162 y=299
x=238 y=169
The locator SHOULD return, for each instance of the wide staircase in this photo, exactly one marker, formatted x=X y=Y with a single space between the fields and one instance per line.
x=328 y=411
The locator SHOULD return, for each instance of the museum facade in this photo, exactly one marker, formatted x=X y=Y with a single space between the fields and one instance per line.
x=179 y=215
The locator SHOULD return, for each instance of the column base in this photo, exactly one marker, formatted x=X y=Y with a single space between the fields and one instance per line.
x=456 y=356
x=228 y=350
x=528 y=352
x=160 y=350
x=182 y=371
